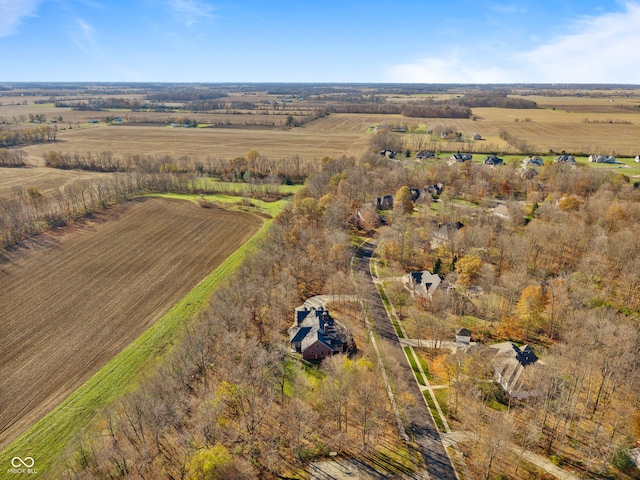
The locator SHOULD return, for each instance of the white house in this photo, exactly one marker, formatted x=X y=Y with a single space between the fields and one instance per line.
x=423 y=283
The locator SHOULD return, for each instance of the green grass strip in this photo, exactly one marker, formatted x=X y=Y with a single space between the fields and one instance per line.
x=425 y=368
x=434 y=410
x=414 y=366
x=387 y=306
x=46 y=441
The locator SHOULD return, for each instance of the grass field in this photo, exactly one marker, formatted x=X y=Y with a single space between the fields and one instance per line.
x=108 y=281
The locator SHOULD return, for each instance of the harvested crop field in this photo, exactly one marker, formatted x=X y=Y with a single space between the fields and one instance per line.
x=73 y=301
x=203 y=142
x=15 y=180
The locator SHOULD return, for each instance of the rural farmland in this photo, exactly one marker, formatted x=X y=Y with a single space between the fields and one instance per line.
x=75 y=300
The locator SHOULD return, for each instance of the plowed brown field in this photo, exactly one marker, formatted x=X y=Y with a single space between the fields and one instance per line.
x=72 y=302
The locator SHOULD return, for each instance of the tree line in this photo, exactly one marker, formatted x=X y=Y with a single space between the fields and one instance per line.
x=10 y=137
x=252 y=168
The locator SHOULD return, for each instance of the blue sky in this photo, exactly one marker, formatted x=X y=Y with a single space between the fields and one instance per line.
x=455 y=41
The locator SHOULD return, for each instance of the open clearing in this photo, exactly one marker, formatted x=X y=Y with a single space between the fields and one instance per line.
x=75 y=300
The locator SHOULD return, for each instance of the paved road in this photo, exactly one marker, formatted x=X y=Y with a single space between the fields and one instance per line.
x=422 y=426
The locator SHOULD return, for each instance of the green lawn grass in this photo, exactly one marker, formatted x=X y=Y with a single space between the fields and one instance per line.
x=434 y=411
x=387 y=306
x=414 y=366
x=425 y=368
x=47 y=439
x=240 y=187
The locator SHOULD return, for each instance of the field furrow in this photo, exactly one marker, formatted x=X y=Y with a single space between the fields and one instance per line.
x=70 y=303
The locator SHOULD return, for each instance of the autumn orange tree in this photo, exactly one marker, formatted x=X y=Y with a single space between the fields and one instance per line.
x=529 y=309
x=404 y=200
x=468 y=268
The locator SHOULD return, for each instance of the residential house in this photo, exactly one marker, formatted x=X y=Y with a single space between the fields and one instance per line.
x=461 y=157
x=315 y=334
x=384 y=203
x=637 y=159
x=528 y=173
x=388 y=153
x=532 y=161
x=602 y=159
x=415 y=194
x=463 y=336
x=423 y=283
x=424 y=154
x=516 y=369
x=565 y=158
x=435 y=189
x=493 y=160
x=446 y=231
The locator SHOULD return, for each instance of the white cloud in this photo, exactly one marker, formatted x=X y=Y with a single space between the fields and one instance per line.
x=12 y=12
x=191 y=11
x=85 y=36
x=453 y=68
x=599 y=49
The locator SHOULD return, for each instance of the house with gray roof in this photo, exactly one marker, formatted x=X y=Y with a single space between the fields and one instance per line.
x=516 y=369
x=461 y=157
x=493 y=160
x=602 y=159
x=564 y=158
x=315 y=334
x=532 y=161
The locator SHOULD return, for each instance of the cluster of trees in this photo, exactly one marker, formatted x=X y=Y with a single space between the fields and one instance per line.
x=29 y=213
x=423 y=110
x=101 y=103
x=12 y=158
x=10 y=137
x=100 y=162
x=495 y=99
x=184 y=95
x=252 y=168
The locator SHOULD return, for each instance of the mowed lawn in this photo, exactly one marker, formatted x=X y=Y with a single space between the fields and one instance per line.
x=70 y=303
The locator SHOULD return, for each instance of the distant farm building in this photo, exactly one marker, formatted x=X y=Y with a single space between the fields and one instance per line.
x=388 y=153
